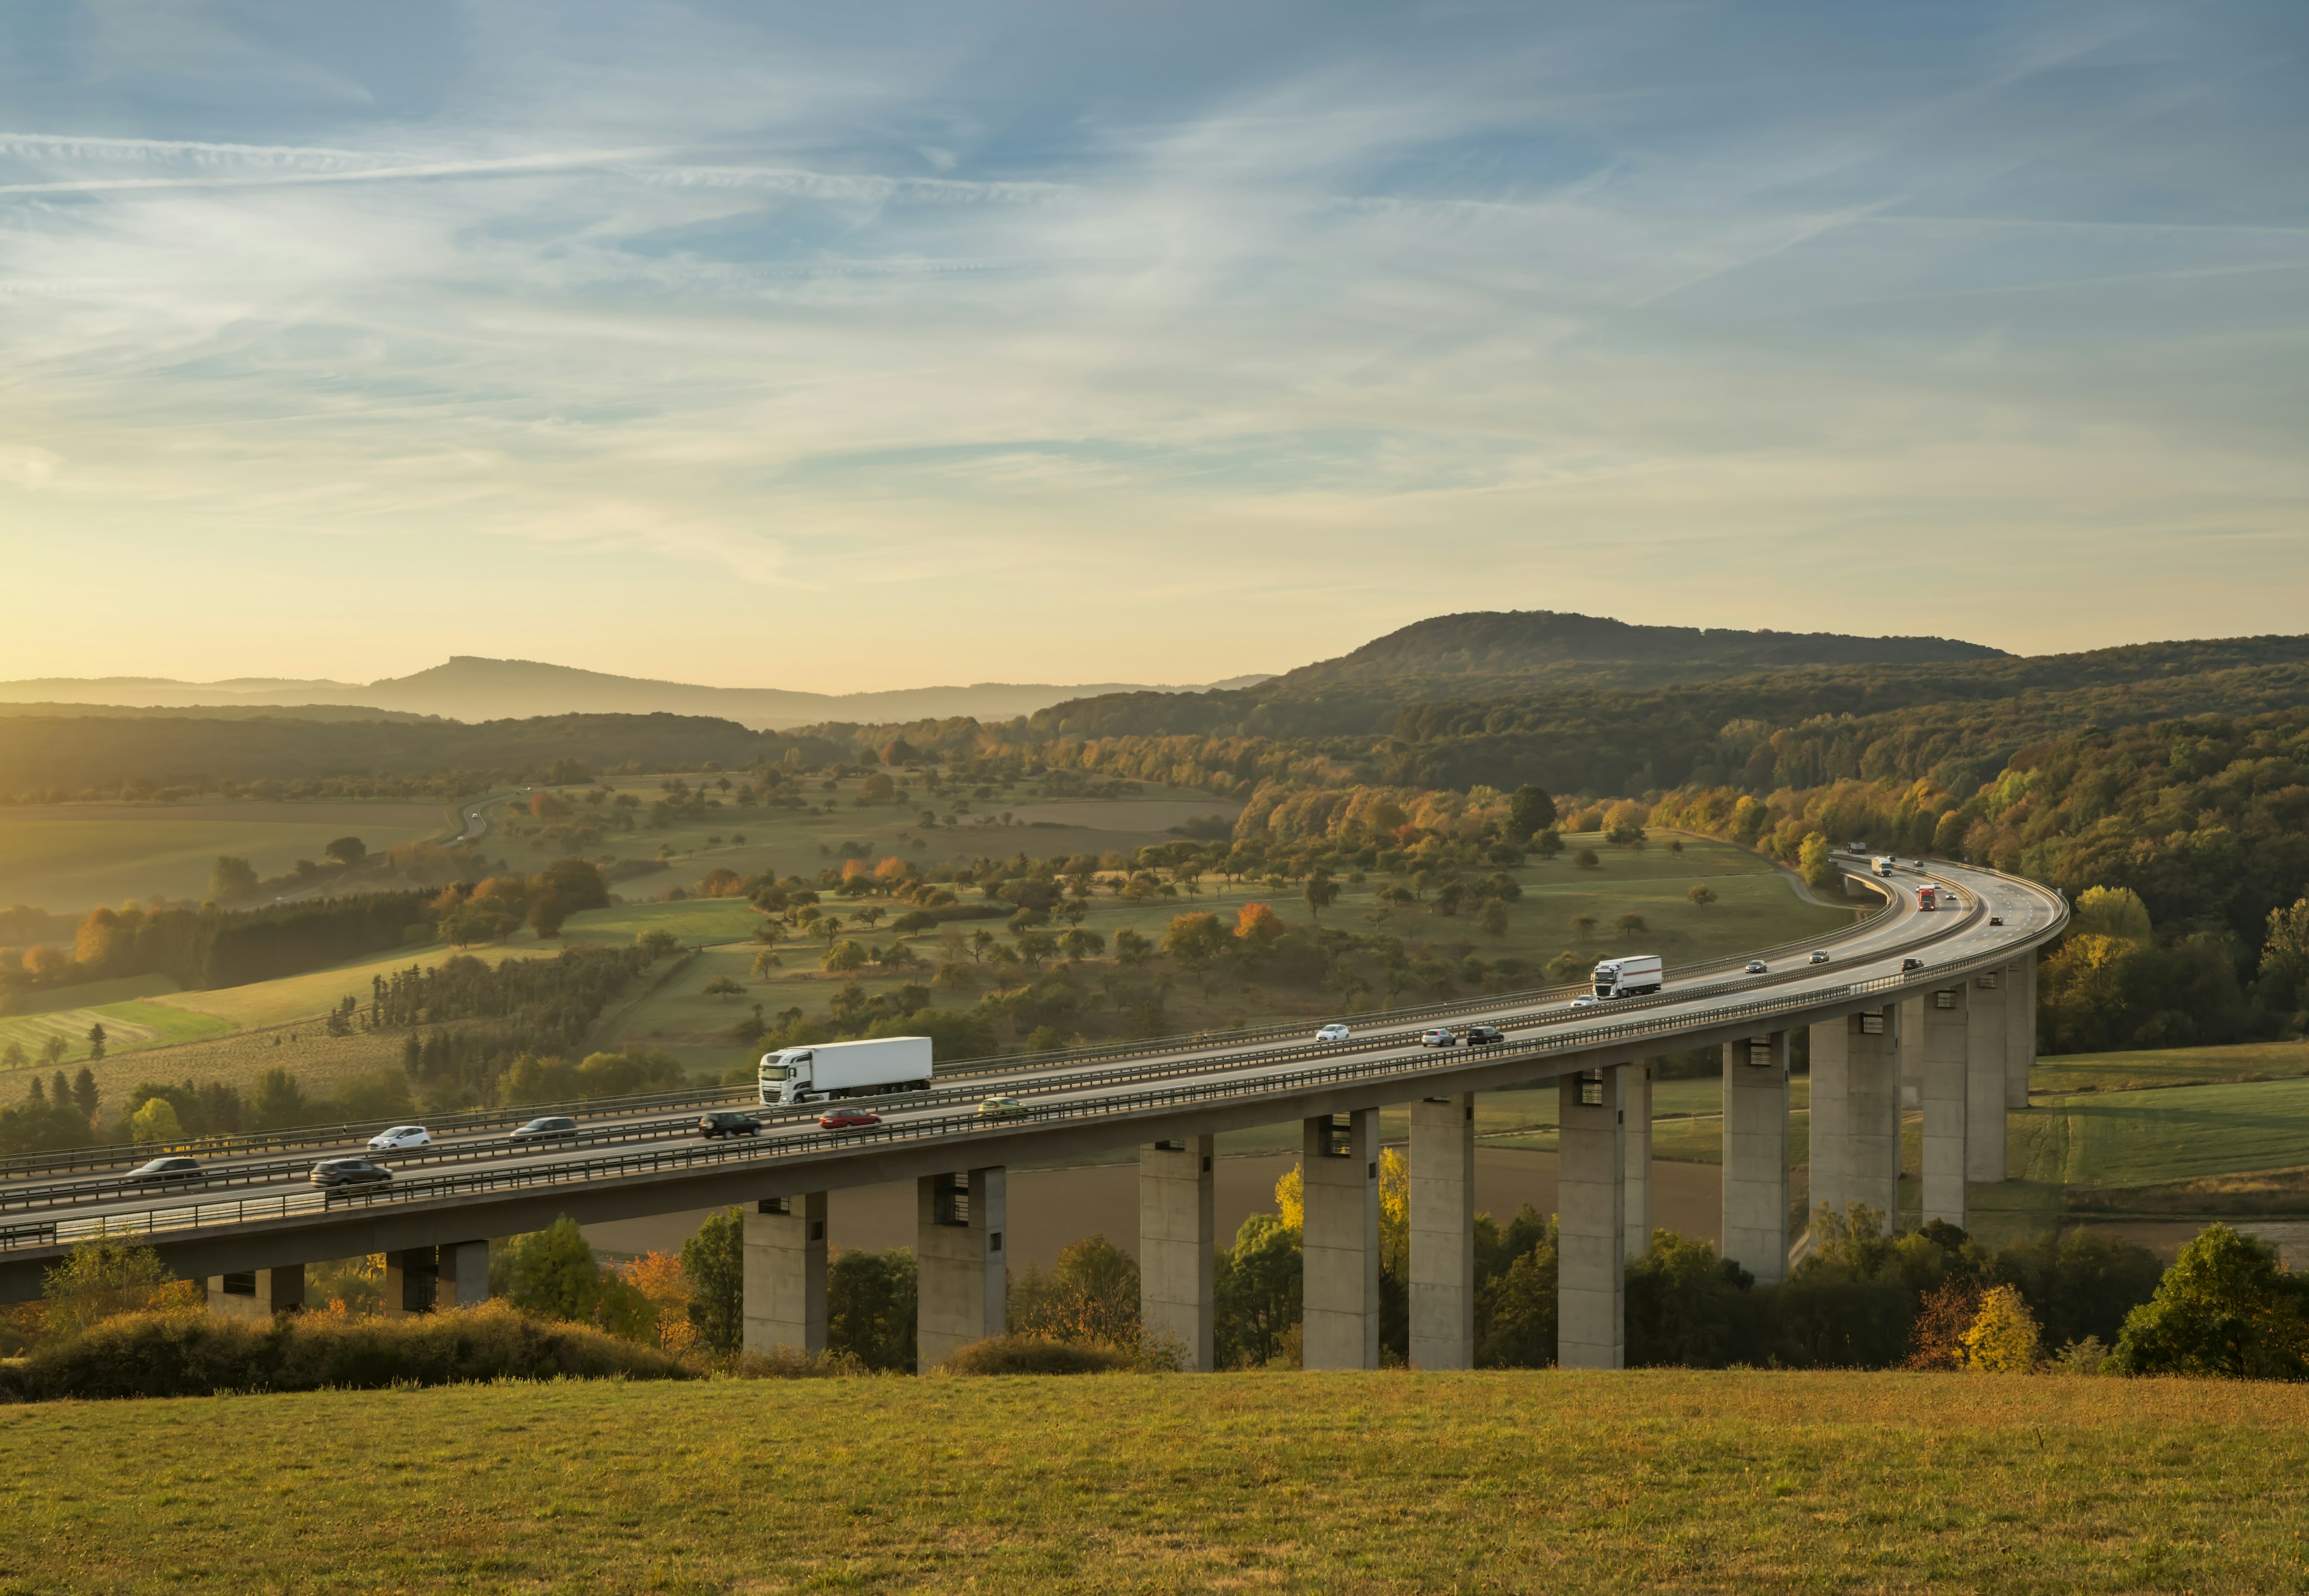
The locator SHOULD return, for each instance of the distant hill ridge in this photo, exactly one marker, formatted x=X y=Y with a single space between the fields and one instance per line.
x=473 y=688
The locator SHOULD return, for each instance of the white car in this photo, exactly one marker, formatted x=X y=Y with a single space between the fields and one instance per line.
x=399 y=1139
x=1820 y=955
x=1587 y=999
x=1440 y=1035
x=1334 y=1032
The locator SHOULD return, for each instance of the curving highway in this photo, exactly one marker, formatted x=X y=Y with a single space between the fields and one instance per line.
x=254 y=1209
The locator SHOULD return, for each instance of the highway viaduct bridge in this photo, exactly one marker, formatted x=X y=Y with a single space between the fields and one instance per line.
x=1938 y=1004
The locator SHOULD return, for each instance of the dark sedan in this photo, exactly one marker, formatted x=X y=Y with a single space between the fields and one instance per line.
x=164 y=1171
x=551 y=1127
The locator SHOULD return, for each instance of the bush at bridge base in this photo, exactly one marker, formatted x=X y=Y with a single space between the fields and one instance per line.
x=197 y=1354
x=1033 y=1355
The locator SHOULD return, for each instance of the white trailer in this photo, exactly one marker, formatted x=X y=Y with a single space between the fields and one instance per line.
x=830 y=1069
x=1632 y=976
x=1882 y=864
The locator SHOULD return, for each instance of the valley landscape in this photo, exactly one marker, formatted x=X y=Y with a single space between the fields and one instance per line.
x=1183 y=799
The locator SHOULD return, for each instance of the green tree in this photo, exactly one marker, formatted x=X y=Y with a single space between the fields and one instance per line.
x=870 y=1307
x=1493 y=918
x=12 y=1057
x=1130 y=947
x=2285 y=958
x=278 y=1101
x=843 y=956
x=722 y=987
x=1091 y=1294
x=1817 y=864
x=85 y=1092
x=713 y=1261
x=555 y=1275
x=1519 y=1310
x=1632 y=924
x=2115 y=912
x=1587 y=859
x=1258 y=1290
x=1701 y=896
x=156 y=1121
x=1194 y=940
x=96 y=1040
x=100 y=1278
x=546 y=914
x=2226 y=1307
x=232 y=879
x=347 y=850
x=1530 y=811
x=1320 y=893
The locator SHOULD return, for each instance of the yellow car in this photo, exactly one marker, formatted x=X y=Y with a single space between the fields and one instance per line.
x=1001 y=1109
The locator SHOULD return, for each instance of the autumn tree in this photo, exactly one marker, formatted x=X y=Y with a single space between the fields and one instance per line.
x=231 y=879
x=1258 y=924
x=1701 y=896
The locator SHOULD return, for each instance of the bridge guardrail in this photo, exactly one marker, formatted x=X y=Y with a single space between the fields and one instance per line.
x=479 y=1182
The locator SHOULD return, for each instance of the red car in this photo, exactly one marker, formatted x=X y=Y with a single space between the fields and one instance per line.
x=847 y=1119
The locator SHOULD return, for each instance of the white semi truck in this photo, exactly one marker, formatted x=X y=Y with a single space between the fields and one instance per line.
x=1628 y=977
x=1882 y=864
x=830 y=1069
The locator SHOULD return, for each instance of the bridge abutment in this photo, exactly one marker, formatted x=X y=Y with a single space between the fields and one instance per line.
x=1443 y=1232
x=1944 y=1088
x=1176 y=1221
x=1591 y=1252
x=783 y=1291
x=963 y=1288
x=1756 y=1155
x=258 y=1293
x=1339 y=1246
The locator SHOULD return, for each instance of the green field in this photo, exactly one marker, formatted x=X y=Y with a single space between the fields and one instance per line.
x=68 y=857
x=1506 y=1481
x=2143 y=1137
x=293 y=998
x=128 y=1027
x=2064 y=1073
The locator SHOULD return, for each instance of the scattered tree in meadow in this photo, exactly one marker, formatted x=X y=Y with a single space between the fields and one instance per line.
x=2004 y=1338
x=347 y=850
x=1632 y=925
x=1320 y=893
x=1701 y=896
x=722 y=987
x=231 y=879
x=1493 y=918
x=1257 y=923
x=1530 y=811
x=1587 y=859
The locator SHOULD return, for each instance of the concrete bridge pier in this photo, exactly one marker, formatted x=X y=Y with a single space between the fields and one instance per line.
x=784 y=1292
x=258 y=1293
x=1943 y=1034
x=1339 y=1249
x=460 y=1274
x=2019 y=1028
x=1986 y=1083
x=1911 y=1050
x=1756 y=1155
x=1855 y=1114
x=963 y=1286
x=1443 y=1232
x=1177 y=1220
x=1635 y=1157
x=1591 y=1255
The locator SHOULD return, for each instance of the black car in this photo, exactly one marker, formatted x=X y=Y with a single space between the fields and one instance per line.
x=551 y=1127
x=1478 y=1035
x=162 y=1171
x=348 y=1172
x=728 y=1123
x=1911 y=964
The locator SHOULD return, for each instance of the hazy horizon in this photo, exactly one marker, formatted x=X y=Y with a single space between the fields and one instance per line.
x=772 y=347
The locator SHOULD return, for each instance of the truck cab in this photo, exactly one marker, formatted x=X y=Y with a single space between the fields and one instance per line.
x=1633 y=976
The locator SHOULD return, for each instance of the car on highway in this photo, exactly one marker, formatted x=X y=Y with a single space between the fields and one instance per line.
x=1996 y=919
x=348 y=1172
x=1478 y=1035
x=1001 y=1109
x=1911 y=964
x=1334 y=1032
x=727 y=1121
x=163 y=1171
x=399 y=1139
x=545 y=1127
x=1757 y=966
x=848 y=1119
x=1586 y=999
x=1820 y=955
x=1439 y=1036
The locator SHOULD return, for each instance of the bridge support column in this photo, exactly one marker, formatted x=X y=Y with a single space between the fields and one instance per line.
x=1941 y=1035
x=1635 y=1157
x=1443 y=1233
x=460 y=1274
x=1985 y=1085
x=412 y=1281
x=2019 y=1028
x=783 y=1293
x=1756 y=1155
x=1177 y=1218
x=964 y=1287
x=1856 y=1114
x=1339 y=1165
x=258 y=1293
x=1911 y=1050
x=1591 y=1244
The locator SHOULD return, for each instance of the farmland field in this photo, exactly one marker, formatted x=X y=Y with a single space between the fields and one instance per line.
x=1637 y=1481
x=67 y=857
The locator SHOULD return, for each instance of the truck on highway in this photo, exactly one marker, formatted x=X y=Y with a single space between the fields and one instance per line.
x=830 y=1070
x=1928 y=896
x=1632 y=976
x=1882 y=864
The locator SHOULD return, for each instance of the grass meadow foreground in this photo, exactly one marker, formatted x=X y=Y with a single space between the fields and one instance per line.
x=1505 y=1481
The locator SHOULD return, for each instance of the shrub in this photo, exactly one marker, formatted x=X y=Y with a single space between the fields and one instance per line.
x=159 y=1354
x=2225 y=1307
x=785 y=1363
x=1032 y=1355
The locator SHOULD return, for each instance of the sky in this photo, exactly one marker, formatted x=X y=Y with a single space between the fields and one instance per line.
x=879 y=345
